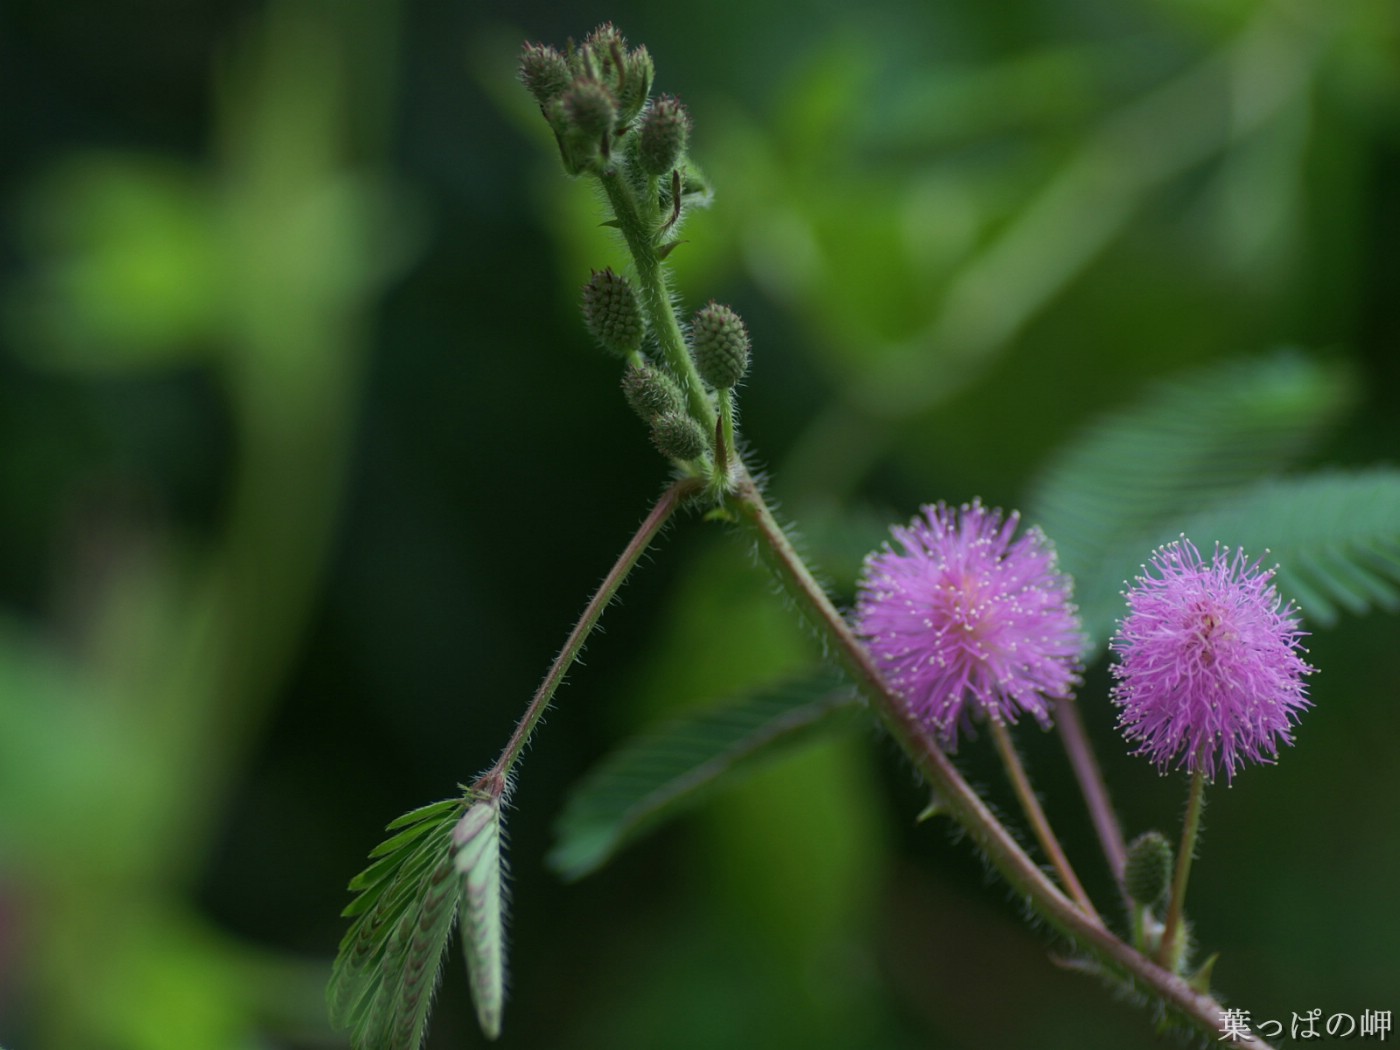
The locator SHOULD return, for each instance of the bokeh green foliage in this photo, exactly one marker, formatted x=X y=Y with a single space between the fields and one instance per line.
x=291 y=527
x=130 y=713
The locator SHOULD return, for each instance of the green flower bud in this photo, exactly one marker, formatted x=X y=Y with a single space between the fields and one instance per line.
x=603 y=57
x=604 y=44
x=652 y=392
x=1148 y=870
x=632 y=92
x=611 y=313
x=582 y=119
x=665 y=129
x=720 y=345
x=544 y=72
x=677 y=436
x=589 y=110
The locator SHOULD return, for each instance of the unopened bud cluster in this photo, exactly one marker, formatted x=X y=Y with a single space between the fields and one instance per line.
x=719 y=347
x=590 y=95
x=596 y=97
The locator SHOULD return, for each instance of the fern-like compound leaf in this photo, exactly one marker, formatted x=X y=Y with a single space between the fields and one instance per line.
x=1188 y=443
x=1335 y=537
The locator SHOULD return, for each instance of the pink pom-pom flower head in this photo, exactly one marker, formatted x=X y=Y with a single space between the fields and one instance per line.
x=966 y=620
x=1210 y=673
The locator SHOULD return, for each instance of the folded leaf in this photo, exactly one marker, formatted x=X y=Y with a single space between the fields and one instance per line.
x=477 y=856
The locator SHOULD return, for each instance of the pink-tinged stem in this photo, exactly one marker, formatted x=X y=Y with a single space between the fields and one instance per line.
x=1040 y=824
x=497 y=778
x=1091 y=783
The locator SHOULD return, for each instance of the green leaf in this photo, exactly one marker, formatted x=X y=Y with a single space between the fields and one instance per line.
x=1335 y=537
x=659 y=774
x=1187 y=444
x=387 y=969
x=424 y=813
x=477 y=839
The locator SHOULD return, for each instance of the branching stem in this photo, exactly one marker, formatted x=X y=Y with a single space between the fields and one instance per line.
x=964 y=805
x=639 y=220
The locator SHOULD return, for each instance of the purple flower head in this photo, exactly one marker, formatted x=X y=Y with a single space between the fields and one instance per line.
x=1210 y=673
x=965 y=621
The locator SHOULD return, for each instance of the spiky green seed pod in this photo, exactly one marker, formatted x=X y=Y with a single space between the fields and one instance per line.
x=544 y=72
x=677 y=436
x=665 y=129
x=719 y=343
x=612 y=314
x=652 y=392
x=1148 y=870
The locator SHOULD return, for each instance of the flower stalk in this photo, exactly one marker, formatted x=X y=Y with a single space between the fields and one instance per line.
x=1035 y=814
x=1173 y=945
x=1087 y=771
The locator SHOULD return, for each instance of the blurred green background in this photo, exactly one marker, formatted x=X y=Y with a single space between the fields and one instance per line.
x=306 y=467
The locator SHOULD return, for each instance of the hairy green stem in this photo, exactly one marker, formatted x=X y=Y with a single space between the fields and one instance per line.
x=1173 y=944
x=726 y=411
x=963 y=804
x=1040 y=824
x=638 y=224
x=496 y=779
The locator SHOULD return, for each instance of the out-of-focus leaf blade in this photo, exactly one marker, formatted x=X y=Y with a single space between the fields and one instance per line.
x=1185 y=446
x=657 y=775
x=1335 y=537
